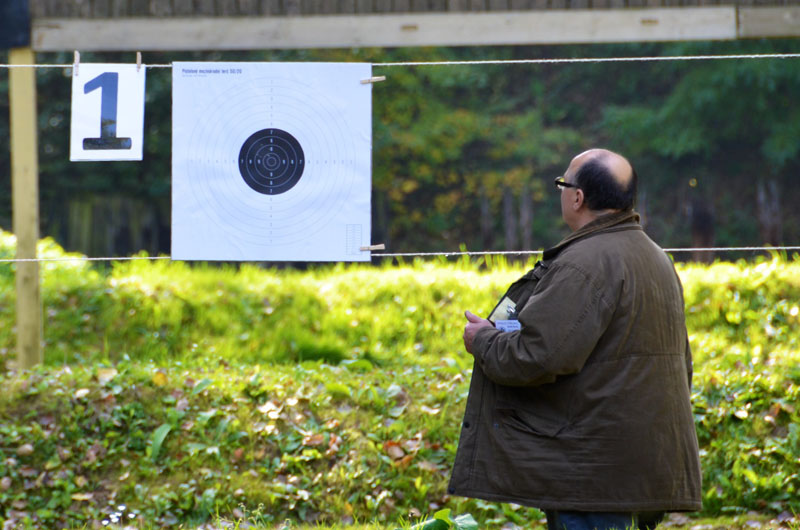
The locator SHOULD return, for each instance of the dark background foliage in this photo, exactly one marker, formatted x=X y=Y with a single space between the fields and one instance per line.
x=465 y=155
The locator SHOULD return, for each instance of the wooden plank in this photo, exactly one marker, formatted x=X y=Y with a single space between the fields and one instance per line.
x=363 y=6
x=437 y=5
x=292 y=7
x=101 y=8
x=159 y=8
x=404 y=6
x=308 y=7
x=25 y=205
x=119 y=8
x=757 y=22
x=521 y=4
x=82 y=8
x=139 y=7
x=424 y=29
x=329 y=7
x=38 y=8
x=476 y=5
x=227 y=8
x=248 y=7
x=498 y=5
x=456 y=5
x=347 y=7
x=183 y=7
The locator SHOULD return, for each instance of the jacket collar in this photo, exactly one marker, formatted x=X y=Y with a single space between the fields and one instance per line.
x=625 y=220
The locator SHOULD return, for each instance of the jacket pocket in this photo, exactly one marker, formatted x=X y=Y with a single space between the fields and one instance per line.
x=529 y=423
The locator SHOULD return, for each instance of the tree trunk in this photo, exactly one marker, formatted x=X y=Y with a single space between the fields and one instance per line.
x=487 y=241
x=509 y=219
x=526 y=217
x=701 y=215
x=769 y=213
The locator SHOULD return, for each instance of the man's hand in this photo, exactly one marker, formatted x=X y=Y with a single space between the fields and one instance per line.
x=473 y=325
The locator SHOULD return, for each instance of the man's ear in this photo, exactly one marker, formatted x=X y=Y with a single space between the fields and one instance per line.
x=579 y=198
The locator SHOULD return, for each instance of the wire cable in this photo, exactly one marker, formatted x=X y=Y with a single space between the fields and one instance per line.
x=410 y=254
x=564 y=60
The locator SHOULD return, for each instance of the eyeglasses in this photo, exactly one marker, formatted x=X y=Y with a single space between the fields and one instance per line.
x=561 y=183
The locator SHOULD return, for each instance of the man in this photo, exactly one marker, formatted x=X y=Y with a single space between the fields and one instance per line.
x=580 y=396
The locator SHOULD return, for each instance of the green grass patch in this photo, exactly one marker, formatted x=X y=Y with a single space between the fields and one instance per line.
x=194 y=394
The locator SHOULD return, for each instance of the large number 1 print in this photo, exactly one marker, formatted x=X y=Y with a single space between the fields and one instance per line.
x=108 y=83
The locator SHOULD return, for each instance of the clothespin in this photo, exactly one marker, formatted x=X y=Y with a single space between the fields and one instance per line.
x=138 y=61
x=76 y=61
x=376 y=79
x=381 y=246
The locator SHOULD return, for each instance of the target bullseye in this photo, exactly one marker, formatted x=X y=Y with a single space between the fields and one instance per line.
x=271 y=161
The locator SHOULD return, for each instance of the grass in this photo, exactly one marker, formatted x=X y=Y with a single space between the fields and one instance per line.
x=194 y=395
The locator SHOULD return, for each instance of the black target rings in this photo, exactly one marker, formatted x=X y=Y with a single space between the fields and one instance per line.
x=271 y=161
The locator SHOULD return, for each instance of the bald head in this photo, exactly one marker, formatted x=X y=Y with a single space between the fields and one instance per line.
x=607 y=179
x=617 y=165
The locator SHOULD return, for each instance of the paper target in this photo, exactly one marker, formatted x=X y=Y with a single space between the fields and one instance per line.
x=271 y=161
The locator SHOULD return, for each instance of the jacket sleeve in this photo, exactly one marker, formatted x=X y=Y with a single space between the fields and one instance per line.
x=560 y=325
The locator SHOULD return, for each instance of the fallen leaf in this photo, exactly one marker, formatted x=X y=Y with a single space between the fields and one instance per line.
x=314 y=440
x=5 y=483
x=19 y=504
x=405 y=461
x=28 y=471
x=160 y=378
x=427 y=465
x=80 y=481
x=413 y=445
x=429 y=410
x=81 y=496
x=394 y=450
x=81 y=393
x=238 y=454
x=678 y=519
x=398 y=394
x=104 y=375
x=25 y=450
x=271 y=409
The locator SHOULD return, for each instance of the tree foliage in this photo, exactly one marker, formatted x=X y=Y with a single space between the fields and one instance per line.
x=464 y=155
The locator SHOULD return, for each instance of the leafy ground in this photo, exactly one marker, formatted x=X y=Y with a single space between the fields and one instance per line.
x=177 y=395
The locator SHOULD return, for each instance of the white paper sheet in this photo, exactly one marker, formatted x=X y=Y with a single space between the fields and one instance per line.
x=107 y=112
x=271 y=161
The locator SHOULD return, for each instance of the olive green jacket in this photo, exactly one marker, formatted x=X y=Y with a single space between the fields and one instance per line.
x=587 y=407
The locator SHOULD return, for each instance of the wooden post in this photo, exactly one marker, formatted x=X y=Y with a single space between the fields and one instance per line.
x=25 y=205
